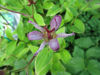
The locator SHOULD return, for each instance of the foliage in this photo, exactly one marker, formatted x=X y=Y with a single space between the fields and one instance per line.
x=79 y=55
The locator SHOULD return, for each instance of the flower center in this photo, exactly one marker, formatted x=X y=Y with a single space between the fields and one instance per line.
x=49 y=34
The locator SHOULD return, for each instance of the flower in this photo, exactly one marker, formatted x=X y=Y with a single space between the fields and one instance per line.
x=49 y=36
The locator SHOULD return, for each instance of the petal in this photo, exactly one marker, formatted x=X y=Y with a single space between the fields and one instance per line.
x=37 y=26
x=64 y=35
x=55 y=22
x=35 y=35
x=41 y=48
x=54 y=45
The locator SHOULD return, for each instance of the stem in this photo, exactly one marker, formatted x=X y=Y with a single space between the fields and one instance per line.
x=14 y=11
x=25 y=66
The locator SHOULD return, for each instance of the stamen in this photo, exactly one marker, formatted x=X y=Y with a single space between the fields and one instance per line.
x=49 y=33
x=46 y=29
x=52 y=30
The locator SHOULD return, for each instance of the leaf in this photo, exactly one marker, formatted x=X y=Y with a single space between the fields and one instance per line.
x=39 y=19
x=94 y=67
x=93 y=52
x=19 y=64
x=78 y=26
x=9 y=34
x=12 y=4
x=65 y=56
x=19 y=48
x=62 y=43
x=56 y=65
x=48 y=5
x=42 y=62
x=84 y=73
x=53 y=11
x=11 y=47
x=9 y=61
x=78 y=52
x=61 y=73
x=22 y=52
x=85 y=42
x=20 y=31
x=76 y=65
x=32 y=48
x=68 y=15
x=61 y=30
x=39 y=7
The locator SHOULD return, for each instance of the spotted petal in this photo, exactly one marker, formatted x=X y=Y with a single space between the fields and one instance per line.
x=55 y=22
x=64 y=35
x=35 y=35
x=37 y=26
x=54 y=45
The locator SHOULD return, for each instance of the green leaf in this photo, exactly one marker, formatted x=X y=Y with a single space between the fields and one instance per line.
x=9 y=61
x=48 y=5
x=94 y=67
x=56 y=65
x=39 y=7
x=78 y=52
x=42 y=62
x=9 y=34
x=76 y=65
x=19 y=48
x=32 y=48
x=93 y=52
x=61 y=1
x=65 y=56
x=20 y=31
x=68 y=15
x=22 y=52
x=39 y=19
x=19 y=64
x=84 y=73
x=78 y=26
x=84 y=42
x=61 y=30
x=12 y=4
x=11 y=47
x=53 y=11
x=61 y=73
x=22 y=73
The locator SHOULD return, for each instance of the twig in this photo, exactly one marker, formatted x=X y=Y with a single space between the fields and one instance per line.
x=25 y=66
x=14 y=11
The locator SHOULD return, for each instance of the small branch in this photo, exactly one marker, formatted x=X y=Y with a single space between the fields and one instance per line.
x=14 y=11
x=25 y=66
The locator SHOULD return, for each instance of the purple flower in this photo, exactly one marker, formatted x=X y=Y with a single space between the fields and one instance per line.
x=49 y=36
